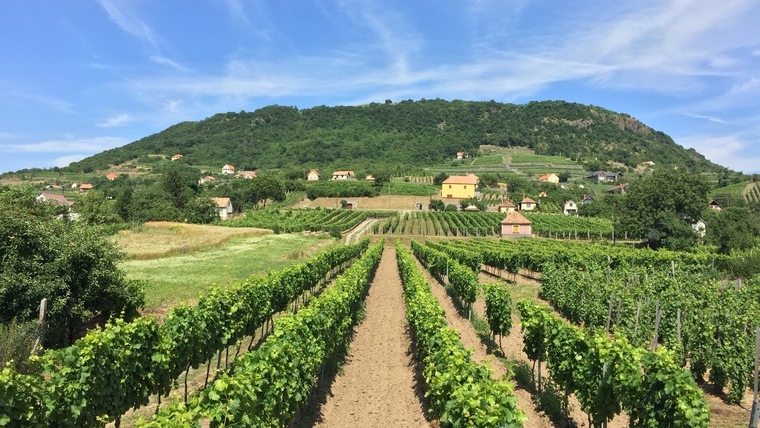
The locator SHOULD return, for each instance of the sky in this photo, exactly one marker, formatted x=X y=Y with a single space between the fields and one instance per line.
x=80 y=77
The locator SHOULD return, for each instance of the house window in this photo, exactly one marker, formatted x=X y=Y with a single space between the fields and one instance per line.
x=449 y=186
x=515 y=228
x=465 y=187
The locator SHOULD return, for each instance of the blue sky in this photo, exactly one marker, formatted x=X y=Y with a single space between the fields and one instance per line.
x=79 y=77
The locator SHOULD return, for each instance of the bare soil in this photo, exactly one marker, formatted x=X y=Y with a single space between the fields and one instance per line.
x=378 y=385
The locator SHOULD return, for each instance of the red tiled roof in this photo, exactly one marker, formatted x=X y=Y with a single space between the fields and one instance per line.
x=462 y=179
x=515 y=218
x=527 y=201
x=221 y=202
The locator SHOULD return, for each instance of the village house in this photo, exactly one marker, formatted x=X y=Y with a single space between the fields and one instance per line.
x=618 y=188
x=507 y=207
x=715 y=206
x=570 y=208
x=208 y=179
x=605 y=177
x=587 y=199
x=527 y=204
x=459 y=186
x=53 y=198
x=177 y=157
x=85 y=187
x=515 y=225
x=549 y=178
x=313 y=175
x=460 y=155
x=224 y=207
x=247 y=174
x=342 y=175
x=228 y=169
x=111 y=177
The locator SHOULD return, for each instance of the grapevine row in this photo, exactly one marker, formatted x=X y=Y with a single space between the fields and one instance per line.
x=461 y=392
x=267 y=386
x=609 y=375
x=112 y=370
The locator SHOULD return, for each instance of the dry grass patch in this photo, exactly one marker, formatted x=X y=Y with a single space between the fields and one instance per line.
x=155 y=240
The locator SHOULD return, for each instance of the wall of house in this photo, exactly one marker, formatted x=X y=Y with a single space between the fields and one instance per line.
x=507 y=230
x=461 y=191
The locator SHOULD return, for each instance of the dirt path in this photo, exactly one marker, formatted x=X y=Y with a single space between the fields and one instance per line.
x=471 y=340
x=377 y=385
x=356 y=233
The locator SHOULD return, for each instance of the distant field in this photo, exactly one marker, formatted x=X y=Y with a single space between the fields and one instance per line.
x=173 y=279
x=488 y=160
x=531 y=158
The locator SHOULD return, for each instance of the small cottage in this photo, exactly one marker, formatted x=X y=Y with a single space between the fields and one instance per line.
x=313 y=175
x=247 y=174
x=527 y=204
x=570 y=208
x=177 y=157
x=86 y=187
x=111 y=177
x=224 y=207
x=549 y=178
x=228 y=169
x=343 y=175
x=515 y=225
x=53 y=198
x=507 y=207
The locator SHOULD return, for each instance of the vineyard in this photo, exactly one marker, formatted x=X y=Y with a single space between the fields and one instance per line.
x=633 y=332
x=314 y=220
x=449 y=223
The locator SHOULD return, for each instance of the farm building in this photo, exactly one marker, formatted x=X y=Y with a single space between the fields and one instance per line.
x=459 y=186
x=569 y=208
x=343 y=175
x=507 y=207
x=515 y=225
x=228 y=169
x=527 y=204
x=549 y=178
x=313 y=175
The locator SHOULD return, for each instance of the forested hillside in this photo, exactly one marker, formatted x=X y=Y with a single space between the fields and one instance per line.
x=403 y=134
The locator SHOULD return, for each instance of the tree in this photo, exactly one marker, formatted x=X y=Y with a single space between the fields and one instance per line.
x=440 y=178
x=123 y=205
x=733 y=228
x=436 y=205
x=177 y=187
x=73 y=265
x=93 y=208
x=663 y=207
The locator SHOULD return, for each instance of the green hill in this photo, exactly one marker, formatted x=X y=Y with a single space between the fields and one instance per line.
x=399 y=136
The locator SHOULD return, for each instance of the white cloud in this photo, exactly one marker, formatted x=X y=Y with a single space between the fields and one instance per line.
x=730 y=150
x=90 y=145
x=66 y=160
x=118 y=120
x=129 y=22
x=158 y=59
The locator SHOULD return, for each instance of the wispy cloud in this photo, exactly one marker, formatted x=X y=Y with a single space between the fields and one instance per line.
x=729 y=150
x=158 y=59
x=66 y=160
x=128 y=22
x=708 y=118
x=236 y=10
x=118 y=120
x=88 y=145
x=50 y=102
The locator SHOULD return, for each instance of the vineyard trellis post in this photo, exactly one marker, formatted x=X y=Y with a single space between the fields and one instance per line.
x=755 y=414
x=41 y=328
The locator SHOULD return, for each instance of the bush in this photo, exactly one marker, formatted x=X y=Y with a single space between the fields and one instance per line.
x=16 y=341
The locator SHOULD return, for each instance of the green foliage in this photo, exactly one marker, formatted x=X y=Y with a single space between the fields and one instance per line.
x=663 y=206
x=16 y=341
x=733 y=228
x=609 y=375
x=461 y=392
x=404 y=135
x=71 y=264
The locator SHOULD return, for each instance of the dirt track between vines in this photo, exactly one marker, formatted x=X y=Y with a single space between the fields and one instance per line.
x=377 y=386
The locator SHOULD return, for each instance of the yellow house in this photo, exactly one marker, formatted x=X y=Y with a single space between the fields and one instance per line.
x=459 y=186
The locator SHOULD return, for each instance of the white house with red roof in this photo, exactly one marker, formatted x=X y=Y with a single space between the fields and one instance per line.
x=228 y=169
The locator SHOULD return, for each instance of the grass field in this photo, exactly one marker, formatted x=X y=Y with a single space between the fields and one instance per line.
x=174 y=279
x=532 y=158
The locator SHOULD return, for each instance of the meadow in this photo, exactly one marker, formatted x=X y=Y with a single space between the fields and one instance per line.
x=179 y=262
